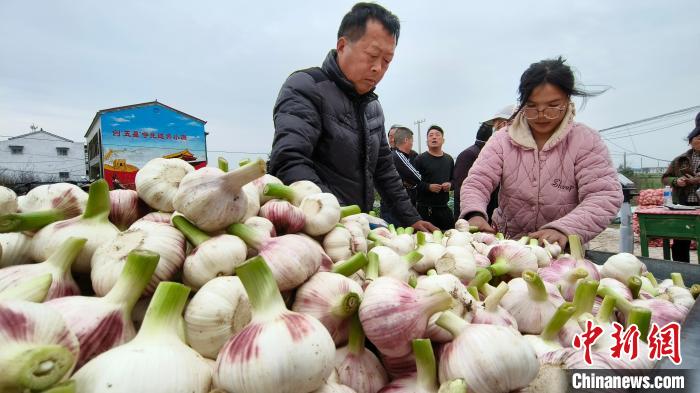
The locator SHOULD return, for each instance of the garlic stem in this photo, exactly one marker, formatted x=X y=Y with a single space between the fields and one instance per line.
x=33 y=366
x=606 y=309
x=66 y=254
x=451 y=322
x=372 y=268
x=250 y=236
x=677 y=279
x=237 y=178
x=193 y=234
x=260 y=285
x=30 y=221
x=535 y=286
x=351 y=265
x=392 y=229
x=524 y=240
x=32 y=290
x=400 y=231
x=136 y=274
x=482 y=277
x=474 y=292
x=164 y=313
x=621 y=303
x=437 y=236
x=223 y=164
x=634 y=283
x=576 y=247
x=372 y=213
x=244 y=161
x=576 y=274
x=584 y=297
x=534 y=242
x=641 y=317
x=431 y=272
x=453 y=386
x=412 y=280
x=420 y=238
x=426 y=370
x=349 y=210
x=409 y=231
x=493 y=299
x=695 y=290
x=558 y=320
x=347 y=305
x=499 y=267
x=376 y=239
x=98 y=204
x=279 y=191
x=500 y=236
x=356 y=336
x=412 y=257
x=473 y=229
x=63 y=387
x=651 y=279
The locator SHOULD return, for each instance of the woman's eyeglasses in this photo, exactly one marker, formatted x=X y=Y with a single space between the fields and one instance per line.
x=549 y=113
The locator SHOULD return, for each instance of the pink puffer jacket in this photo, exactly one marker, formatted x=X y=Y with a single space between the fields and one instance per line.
x=570 y=185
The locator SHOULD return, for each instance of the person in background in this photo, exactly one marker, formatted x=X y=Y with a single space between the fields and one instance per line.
x=556 y=175
x=390 y=135
x=409 y=174
x=329 y=124
x=683 y=175
x=466 y=158
x=435 y=167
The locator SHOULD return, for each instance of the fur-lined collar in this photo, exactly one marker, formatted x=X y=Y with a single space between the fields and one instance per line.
x=519 y=130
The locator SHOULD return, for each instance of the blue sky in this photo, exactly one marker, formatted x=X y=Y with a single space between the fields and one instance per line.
x=455 y=65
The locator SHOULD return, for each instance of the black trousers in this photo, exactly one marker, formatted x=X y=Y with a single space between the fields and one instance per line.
x=680 y=249
x=440 y=216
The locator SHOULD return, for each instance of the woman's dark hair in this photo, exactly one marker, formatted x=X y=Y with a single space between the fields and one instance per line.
x=556 y=72
x=354 y=23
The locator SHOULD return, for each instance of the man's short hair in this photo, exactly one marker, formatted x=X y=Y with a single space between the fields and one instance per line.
x=401 y=135
x=435 y=127
x=354 y=23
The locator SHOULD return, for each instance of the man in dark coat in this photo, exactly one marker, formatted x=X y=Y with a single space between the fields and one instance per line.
x=404 y=165
x=329 y=125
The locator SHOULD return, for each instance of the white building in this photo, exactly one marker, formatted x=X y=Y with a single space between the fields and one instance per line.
x=41 y=156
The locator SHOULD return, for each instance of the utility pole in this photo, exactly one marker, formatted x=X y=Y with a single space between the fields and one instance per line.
x=624 y=160
x=418 y=123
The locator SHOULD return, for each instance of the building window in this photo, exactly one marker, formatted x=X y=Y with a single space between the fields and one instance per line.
x=16 y=149
x=63 y=175
x=62 y=151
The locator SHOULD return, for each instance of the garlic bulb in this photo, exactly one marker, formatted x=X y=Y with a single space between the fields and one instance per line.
x=358 y=367
x=260 y=184
x=32 y=290
x=512 y=259
x=212 y=256
x=457 y=261
x=262 y=225
x=531 y=301
x=358 y=236
x=457 y=238
x=338 y=244
x=393 y=265
x=218 y=311
x=93 y=225
x=547 y=341
x=160 y=217
x=622 y=266
x=489 y=312
x=561 y=275
x=431 y=253
x=360 y=219
x=322 y=213
x=492 y=359
x=543 y=256
x=8 y=201
x=57 y=265
x=462 y=225
x=64 y=206
x=50 y=196
x=101 y=323
x=332 y=299
x=286 y=217
x=292 y=258
x=390 y=325
x=280 y=350
x=108 y=260
x=252 y=201
x=484 y=238
x=15 y=249
x=124 y=208
x=38 y=350
x=294 y=192
x=212 y=199
x=157 y=349
x=158 y=181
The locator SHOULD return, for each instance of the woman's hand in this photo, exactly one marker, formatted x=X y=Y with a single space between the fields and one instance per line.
x=550 y=235
x=680 y=182
x=482 y=224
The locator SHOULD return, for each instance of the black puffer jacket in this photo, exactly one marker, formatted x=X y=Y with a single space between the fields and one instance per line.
x=327 y=133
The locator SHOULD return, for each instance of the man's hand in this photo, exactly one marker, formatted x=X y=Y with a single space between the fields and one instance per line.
x=424 y=226
x=446 y=186
x=693 y=180
x=550 y=235
x=435 y=188
x=681 y=181
x=482 y=224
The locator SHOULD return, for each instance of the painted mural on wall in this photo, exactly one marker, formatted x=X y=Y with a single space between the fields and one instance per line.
x=133 y=136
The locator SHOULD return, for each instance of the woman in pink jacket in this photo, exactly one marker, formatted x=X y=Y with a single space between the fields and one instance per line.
x=555 y=174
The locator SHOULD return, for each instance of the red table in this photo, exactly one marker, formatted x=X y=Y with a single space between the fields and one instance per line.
x=661 y=222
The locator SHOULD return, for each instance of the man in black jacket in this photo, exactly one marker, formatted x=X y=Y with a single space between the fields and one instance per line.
x=403 y=162
x=435 y=167
x=329 y=125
